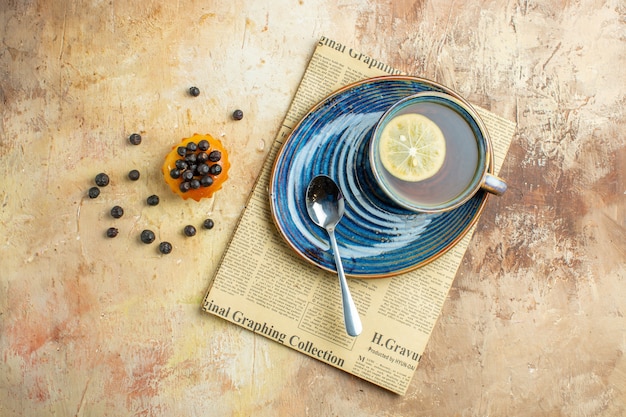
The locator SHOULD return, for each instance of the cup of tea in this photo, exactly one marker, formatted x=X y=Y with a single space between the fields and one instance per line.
x=430 y=152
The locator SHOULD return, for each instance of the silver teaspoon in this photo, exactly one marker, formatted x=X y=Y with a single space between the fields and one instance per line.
x=325 y=205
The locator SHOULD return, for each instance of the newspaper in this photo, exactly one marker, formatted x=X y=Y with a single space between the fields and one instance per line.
x=263 y=286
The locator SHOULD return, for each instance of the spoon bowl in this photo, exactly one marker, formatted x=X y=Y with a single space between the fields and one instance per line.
x=325 y=205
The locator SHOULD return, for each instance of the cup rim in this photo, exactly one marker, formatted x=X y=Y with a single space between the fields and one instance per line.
x=482 y=170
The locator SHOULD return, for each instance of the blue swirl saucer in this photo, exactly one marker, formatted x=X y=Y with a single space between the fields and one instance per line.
x=376 y=238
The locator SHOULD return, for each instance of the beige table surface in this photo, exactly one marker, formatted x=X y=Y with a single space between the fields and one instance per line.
x=534 y=324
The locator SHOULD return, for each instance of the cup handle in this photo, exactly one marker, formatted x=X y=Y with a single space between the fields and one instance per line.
x=494 y=185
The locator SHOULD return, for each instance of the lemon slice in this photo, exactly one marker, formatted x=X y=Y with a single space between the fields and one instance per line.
x=412 y=147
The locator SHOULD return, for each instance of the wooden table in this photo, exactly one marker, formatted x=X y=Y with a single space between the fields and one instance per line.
x=89 y=326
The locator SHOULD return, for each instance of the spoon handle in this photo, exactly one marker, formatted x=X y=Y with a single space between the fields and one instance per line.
x=350 y=314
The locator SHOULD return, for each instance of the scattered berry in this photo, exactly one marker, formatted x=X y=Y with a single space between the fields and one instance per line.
x=237 y=114
x=165 y=247
x=117 y=212
x=133 y=175
x=94 y=192
x=189 y=230
x=112 y=232
x=208 y=224
x=147 y=236
x=102 y=180
x=153 y=200
x=135 y=139
x=194 y=91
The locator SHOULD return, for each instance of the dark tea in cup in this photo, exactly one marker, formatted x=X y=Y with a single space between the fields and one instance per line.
x=430 y=152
